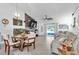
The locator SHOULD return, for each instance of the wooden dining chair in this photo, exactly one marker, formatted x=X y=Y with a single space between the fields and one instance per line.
x=9 y=44
x=30 y=41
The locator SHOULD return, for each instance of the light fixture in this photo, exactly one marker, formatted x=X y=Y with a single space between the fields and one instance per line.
x=16 y=14
x=47 y=18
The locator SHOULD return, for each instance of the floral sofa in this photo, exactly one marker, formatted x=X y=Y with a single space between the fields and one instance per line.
x=62 y=37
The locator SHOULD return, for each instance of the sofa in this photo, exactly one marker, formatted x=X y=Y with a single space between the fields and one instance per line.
x=62 y=37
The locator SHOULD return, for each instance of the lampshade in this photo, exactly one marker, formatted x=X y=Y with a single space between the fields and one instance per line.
x=17 y=14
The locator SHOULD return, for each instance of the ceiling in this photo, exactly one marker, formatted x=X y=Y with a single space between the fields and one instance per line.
x=54 y=10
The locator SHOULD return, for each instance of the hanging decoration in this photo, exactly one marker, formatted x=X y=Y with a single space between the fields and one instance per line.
x=5 y=21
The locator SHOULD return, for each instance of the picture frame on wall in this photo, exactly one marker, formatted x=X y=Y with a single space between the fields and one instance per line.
x=17 y=22
x=63 y=27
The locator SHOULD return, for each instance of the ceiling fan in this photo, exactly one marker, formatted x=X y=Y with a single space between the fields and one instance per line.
x=47 y=18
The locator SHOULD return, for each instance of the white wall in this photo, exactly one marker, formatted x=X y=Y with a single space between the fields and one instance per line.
x=41 y=29
x=66 y=19
x=7 y=11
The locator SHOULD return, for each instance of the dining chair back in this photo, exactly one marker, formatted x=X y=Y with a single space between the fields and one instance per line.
x=6 y=42
x=9 y=44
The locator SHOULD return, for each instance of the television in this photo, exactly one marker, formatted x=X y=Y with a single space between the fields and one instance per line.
x=30 y=22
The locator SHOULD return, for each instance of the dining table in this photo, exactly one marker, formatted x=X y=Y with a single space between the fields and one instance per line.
x=21 y=38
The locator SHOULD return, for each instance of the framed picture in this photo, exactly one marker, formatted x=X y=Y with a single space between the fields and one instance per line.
x=63 y=27
x=17 y=22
